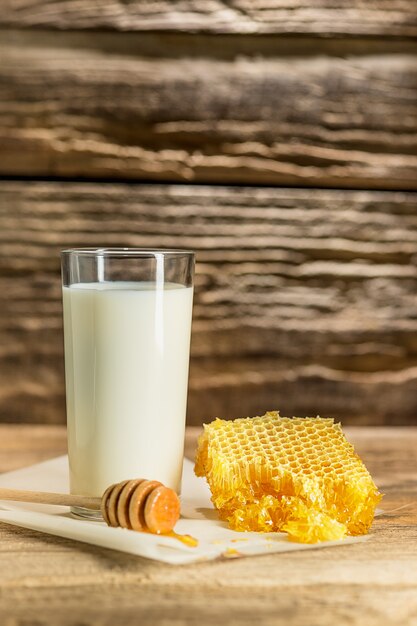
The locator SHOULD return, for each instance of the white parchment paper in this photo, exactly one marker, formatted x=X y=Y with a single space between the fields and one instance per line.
x=198 y=519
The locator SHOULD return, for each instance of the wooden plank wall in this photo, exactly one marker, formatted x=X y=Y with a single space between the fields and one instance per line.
x=276 y=139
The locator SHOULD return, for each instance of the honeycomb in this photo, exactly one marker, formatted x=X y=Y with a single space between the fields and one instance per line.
x=298 y=475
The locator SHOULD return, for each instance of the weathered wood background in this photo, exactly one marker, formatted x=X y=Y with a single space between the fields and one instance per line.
x=278 y=140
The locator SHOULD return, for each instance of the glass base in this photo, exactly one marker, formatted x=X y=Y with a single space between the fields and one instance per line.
x=88 y=514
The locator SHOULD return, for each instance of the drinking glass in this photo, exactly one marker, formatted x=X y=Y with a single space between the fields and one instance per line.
x=127 y=326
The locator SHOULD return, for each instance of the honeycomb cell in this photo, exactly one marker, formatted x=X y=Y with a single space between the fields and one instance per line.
x=272 y=473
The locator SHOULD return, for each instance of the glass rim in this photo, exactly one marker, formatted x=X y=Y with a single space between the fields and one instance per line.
x=126 y=252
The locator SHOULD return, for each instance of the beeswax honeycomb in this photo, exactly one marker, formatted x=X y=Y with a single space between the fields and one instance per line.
x=298 y=475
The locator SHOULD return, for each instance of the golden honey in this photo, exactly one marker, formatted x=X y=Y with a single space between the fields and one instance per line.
x=298 y=475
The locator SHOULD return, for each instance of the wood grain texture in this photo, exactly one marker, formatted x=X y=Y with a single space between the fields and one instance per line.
x=73 y=105
x=25 y=444
x=341 y=17
x=48 y=580
x=305 y=300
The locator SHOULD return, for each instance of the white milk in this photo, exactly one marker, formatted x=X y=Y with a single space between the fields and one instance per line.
x=126 y=365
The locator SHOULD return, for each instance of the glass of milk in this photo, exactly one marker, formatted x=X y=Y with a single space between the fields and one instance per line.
x=127 y=326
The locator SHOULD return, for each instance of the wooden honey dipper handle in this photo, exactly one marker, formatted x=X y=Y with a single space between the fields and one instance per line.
x=46 y=497
x=144 y=505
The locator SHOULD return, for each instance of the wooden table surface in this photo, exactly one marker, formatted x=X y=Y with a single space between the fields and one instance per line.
x=45 y=579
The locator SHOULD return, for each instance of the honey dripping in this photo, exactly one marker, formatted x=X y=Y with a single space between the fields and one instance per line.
x=145 y=506
x=187 y=540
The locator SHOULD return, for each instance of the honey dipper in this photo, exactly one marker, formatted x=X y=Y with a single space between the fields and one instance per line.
x=144 y=505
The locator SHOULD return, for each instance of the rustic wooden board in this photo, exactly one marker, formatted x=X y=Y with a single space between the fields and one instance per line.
x=102 y=106
x=45 y=579
x=305 y=300
x=344 y=17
